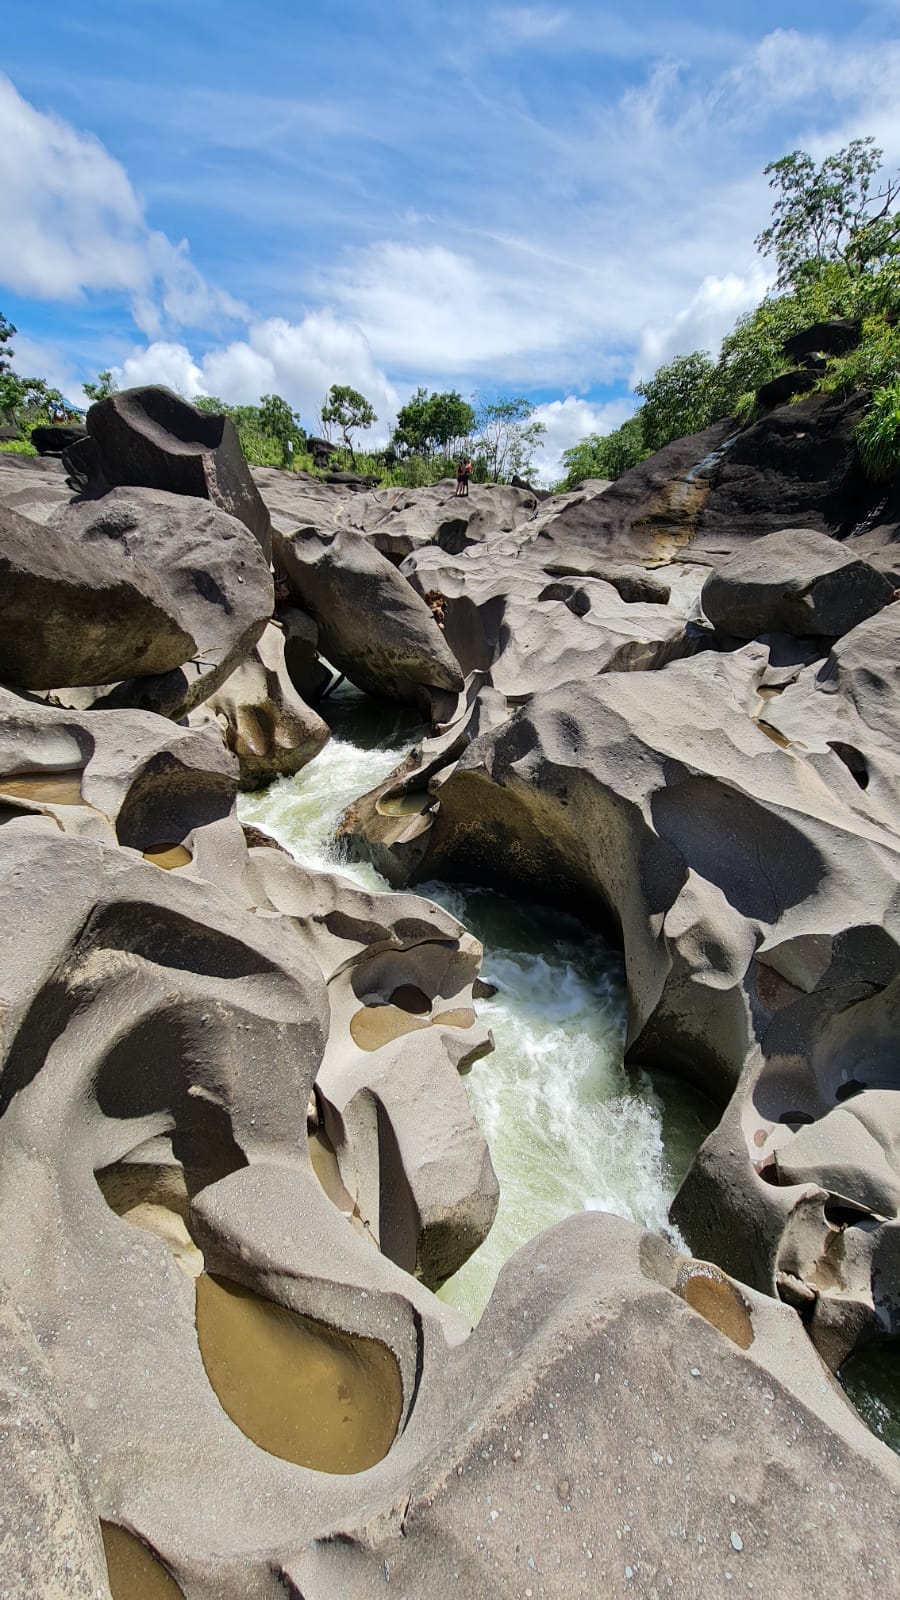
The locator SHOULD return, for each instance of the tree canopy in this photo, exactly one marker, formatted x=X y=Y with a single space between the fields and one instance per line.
x=433 y=424
x=507 y=436
x=103 y=386
x=839 y=211
x=348 y=411
x=24 y=402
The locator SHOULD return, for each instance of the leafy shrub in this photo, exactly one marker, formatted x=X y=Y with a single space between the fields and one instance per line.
x=604 y=455
x=878 y=434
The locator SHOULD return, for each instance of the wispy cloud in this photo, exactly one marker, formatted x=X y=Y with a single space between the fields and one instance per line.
x=528 y=22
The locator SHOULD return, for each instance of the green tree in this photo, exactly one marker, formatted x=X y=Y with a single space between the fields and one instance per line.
x=682 y=397
x=102 y=388
x=507 y=436
x=605 y=455
x=433 y=424
x=7 y=332
x=348 y=411
x=278 y=421
x=839 y=211
x=24 y=402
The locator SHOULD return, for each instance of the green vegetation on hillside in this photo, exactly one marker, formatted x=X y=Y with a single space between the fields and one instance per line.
x=835 y=238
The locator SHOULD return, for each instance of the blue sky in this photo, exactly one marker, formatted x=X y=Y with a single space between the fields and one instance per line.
x=546 y=198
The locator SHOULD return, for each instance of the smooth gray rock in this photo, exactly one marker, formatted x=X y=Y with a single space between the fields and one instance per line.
x=371 y=624
x=70 y=615
x=262 y=718
x=50 y=1547
x=153 y=439
x=797 y=581
x=212 y=572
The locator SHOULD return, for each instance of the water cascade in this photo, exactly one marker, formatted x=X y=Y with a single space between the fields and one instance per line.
x=567 y=1125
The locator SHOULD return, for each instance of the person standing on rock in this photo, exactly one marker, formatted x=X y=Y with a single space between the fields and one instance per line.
x=464 y=470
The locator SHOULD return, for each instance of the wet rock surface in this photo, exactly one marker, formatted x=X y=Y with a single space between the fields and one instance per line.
x=237 y=1155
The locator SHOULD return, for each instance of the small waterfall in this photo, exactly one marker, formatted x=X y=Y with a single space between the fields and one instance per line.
x=569 y=1128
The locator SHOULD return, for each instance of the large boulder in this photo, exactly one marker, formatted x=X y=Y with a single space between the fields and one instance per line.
x=797 y=581
x=798 y=1188
x=125 y=777
x=371 y=624
x=75 y=615
x=262 y=718
x=656 y=801
x=788 y=384
x=400 y=973
x=657 y=1429
x=214 y=577
x=650 y=514
x=150 y=437
x=705 y=496
x=53 y=440
x=798 y=467
x=849 y=704
x=833 y=337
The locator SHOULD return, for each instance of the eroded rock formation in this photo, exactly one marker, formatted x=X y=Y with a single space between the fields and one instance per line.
x=236 y=1151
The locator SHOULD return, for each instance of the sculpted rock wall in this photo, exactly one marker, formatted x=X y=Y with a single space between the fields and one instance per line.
x=236 y=1153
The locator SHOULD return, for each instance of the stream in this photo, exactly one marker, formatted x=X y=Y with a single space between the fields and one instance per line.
x=568 y=1127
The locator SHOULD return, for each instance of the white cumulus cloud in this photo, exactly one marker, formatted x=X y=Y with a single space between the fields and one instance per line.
x=162 y=362
x=702 y=324
x=566 y=422
x=298 y=360
x=71 y=223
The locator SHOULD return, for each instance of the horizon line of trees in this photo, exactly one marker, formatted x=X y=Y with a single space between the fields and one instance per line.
x=432 y=431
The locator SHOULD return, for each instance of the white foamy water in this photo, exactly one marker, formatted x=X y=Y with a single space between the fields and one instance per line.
x=567 y=1126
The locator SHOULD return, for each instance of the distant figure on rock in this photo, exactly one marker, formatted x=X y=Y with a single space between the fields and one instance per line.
x=464 y=470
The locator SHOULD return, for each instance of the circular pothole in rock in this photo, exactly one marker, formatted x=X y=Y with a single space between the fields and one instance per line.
x=708 y=1291
x=168 y=856
x=299 y=1389
x=374 y=1026
x=411 y=804
x=134 y=1572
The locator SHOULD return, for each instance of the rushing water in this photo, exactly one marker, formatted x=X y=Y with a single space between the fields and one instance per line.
x=568 y=1127
x=872 y=1381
